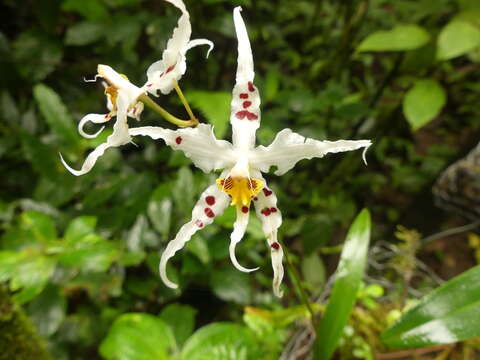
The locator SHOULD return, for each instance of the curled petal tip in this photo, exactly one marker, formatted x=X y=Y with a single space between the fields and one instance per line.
x=165 y=279
x=364 y=153
x=235 y=262
x=71 y=170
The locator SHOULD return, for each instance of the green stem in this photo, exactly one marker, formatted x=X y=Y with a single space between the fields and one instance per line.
x=165 y=114
x=185 y=102
x=296 y=279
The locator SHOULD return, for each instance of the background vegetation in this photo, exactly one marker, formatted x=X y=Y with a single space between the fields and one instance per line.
x=80 y=254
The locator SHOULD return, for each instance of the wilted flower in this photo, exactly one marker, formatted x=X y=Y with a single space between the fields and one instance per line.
x=241 y=180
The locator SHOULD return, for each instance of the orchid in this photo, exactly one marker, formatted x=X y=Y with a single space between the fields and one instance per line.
x=125 y=99
x=242 y=164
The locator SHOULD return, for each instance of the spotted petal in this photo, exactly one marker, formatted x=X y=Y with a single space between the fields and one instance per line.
x=119 y=137
x=163 y=74
x=212 y=203
x=199 y=144
x=271 y=218
x=288 y=148
x=245 y=106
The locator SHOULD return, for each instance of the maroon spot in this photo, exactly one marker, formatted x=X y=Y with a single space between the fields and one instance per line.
x=267 y=192
x=275 y=245
x=265 y=211
x=255 y=198
x=251 y=88
x=245 y=113
x=148 y=85
x=170 y=68
x=246 y=104
x=162 y=74
x=245 y=209
x=243 y=96
x=178 y=140
x=106 y=116
x=199 y=223
x=209 y=212
x=210 y=200
x=273 y=210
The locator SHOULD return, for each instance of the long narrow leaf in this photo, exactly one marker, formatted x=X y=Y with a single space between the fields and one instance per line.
x=348 y=278
x=448 y=314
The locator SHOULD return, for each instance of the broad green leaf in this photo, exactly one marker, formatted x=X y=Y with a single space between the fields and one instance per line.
x=84 y=33
x=56 y=115
x=400 y=38
x=90 y=9
x=80 y=227
x=423 y=102
x=181 y=318
x=456 y=39
x=225 y=341
x=348 y=278
x=215 y=106
x=137 y=336
x=313 y=271
x=39 y=225
x=448 y=314
x=47 y=310
x=469 y=4
x=229 y=284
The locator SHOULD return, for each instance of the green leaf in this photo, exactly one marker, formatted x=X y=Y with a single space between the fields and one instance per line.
x=90 y=9
x=423 y=102
x=456 y=39
x=80 y=227
x=137 y=336
x=47 y=311
x=400 y=38
x=344 y=293
x=56 y=115
x=229 y=284
x=313 y=270
x=181 y=319
x=39 y=225
x=448 y=314
x=84 y=33
x=215 y=106
x=226 y=341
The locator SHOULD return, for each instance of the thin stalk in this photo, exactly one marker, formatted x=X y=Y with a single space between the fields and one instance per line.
x=185 y=102
x=165 y=114
x=298 y=283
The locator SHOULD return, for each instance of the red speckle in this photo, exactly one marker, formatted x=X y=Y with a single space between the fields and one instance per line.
x=199 y=223
x=267 y=192
x=246 y=104
x=251 y=88
x=209 y=212
x=255 y=198
x=162 y=74
x=275 y=245
x=170 y=68
x=106 y=116
x=243 y=96
x=210 y=200
x=245 y=209
x=265 y=211
x=148 y=85
x=273 y=210
x=178 y=140
x=245 y=113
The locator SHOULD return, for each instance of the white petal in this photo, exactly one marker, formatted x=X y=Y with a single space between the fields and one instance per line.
x=198 y=143
x=245 y=106
x=119 y=137
x=288 y=148
x=198 y=42
x=212 y=203
x=120 y=83
x=239 y=228
x=163 y=73
x=94 y=118
x=271 y=218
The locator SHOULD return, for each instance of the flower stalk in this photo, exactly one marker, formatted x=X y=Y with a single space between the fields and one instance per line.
x=147 y=101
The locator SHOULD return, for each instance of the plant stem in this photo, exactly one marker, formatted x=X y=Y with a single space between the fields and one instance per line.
x=298 y=283
x=165 y=114
x=185 y=102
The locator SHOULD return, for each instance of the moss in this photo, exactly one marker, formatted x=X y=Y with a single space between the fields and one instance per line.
x=18 y=338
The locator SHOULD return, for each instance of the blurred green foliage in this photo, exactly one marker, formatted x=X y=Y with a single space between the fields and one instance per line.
x=81 y=253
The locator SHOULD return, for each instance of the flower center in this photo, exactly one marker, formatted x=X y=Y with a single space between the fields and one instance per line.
x=240 y=189
x=112 y=92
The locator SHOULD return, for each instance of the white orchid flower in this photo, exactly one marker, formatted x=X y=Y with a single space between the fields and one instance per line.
x=122 y=101
x=164 y=74
x=241 y=181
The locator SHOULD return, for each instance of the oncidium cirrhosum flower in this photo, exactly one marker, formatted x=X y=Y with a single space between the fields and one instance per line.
x=125 y=99
x=241 y=181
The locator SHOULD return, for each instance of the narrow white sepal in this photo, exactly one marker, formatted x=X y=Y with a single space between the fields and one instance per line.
x=239 y=228
x=93 y=118
x=198 y=42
